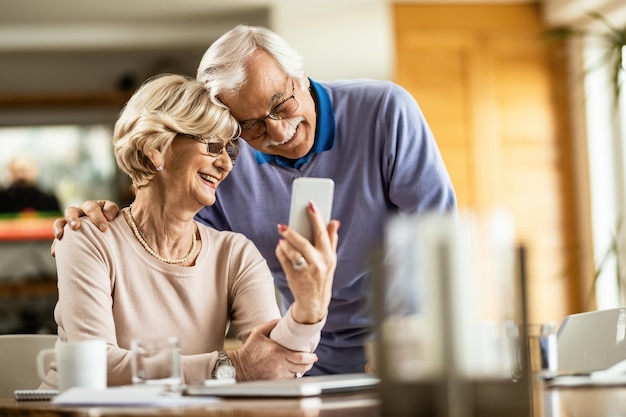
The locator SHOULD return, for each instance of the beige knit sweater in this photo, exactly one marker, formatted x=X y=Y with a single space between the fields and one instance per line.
x=111 y=288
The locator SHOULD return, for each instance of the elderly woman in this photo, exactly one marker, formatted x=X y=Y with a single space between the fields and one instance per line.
x=156 y=272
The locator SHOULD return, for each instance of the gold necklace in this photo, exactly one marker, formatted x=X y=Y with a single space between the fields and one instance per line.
x=139 y=236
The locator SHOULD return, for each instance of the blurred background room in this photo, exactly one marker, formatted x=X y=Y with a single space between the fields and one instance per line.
x=522 y=125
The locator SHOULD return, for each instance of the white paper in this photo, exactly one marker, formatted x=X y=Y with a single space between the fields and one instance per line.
x=127 y=396
x=586 y=381
x=612 y=376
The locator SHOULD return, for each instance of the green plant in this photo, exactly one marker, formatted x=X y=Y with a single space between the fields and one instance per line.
x=614 y=40
x=614 y=252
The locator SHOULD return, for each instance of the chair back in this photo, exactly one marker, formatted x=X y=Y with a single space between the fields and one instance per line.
x=18 y=353
x=592 y=341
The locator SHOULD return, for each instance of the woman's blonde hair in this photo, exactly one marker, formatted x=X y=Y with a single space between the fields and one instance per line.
x=164 y=106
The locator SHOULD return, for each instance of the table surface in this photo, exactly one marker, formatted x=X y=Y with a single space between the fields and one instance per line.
x=364 y=404
x=561 y=402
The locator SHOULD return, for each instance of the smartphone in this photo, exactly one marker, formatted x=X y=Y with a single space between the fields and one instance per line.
x=303 y=190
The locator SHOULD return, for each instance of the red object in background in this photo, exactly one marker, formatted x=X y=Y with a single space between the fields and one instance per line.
x=26 y=226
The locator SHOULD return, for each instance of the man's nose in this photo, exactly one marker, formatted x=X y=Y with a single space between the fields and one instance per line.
x=277 y=129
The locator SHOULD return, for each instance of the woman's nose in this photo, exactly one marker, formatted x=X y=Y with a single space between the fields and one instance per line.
x=223 y=160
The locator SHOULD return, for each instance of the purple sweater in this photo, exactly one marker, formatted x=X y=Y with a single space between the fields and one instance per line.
x=383 y=160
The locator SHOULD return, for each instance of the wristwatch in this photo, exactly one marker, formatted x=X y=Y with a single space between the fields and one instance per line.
x=224 y=368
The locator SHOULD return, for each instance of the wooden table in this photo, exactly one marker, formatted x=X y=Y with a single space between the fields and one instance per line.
x=344 y=405
x=556 y=402
x=581 y=402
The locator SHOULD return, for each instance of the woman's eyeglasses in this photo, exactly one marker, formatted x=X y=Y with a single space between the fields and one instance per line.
x=215 y=145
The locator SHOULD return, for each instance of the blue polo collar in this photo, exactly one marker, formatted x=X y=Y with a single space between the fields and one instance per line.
x=324 y=131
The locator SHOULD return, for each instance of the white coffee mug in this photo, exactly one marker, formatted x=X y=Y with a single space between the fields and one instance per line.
x=81 y=363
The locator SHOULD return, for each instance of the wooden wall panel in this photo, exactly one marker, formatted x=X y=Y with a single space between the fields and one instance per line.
x=440 y=74
x=486 y=82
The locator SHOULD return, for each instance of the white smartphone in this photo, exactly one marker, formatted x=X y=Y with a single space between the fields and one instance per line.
x=303 y=190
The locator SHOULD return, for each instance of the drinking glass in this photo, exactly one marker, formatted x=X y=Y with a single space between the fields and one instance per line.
x=156 y=361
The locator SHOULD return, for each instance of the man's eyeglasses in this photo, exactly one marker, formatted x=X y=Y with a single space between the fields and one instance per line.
x=254 y=129
x=215 y=145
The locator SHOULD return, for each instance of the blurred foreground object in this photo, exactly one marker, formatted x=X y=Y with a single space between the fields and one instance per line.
x=447 y=299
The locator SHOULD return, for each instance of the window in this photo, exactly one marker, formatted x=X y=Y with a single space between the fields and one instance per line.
x=75 y=162
x=606 y=148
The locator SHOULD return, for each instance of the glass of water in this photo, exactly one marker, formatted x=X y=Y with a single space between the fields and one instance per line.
x=156 y=361
x=543 y=349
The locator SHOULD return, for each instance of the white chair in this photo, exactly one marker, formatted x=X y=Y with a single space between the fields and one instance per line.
x=18 y=353
x=592 y=341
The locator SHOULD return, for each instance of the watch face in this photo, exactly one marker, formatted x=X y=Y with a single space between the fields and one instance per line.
x=225 y=372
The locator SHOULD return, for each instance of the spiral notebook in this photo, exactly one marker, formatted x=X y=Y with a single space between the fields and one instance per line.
x=34 y=394
x=301 y=387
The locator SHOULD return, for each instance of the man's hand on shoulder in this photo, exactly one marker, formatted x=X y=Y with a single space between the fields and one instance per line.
x=101 y=212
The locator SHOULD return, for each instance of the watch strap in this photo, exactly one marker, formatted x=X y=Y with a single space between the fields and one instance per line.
x=222 y=361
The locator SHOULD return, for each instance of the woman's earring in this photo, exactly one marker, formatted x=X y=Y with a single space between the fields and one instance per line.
x=159 y=168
